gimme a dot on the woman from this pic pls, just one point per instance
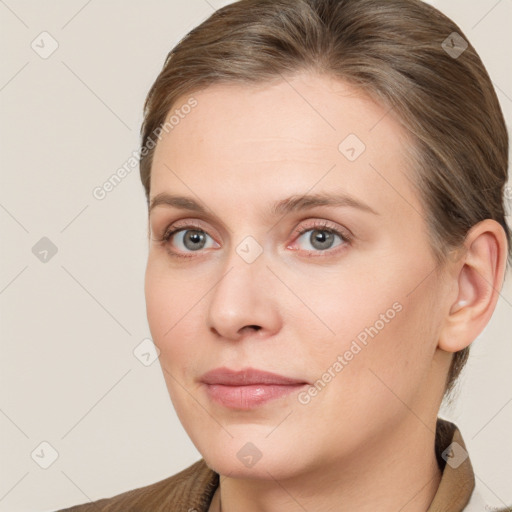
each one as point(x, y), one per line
point(325, 184)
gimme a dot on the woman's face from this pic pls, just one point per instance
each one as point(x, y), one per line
point(351, 306)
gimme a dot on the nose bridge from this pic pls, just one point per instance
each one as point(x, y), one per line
point(242, 295)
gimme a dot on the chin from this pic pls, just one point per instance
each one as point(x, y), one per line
point(242, 458)
point(264, 469)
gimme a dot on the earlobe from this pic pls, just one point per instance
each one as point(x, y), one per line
point(479, 276)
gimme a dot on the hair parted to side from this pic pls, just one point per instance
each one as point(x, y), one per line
point(390, 49)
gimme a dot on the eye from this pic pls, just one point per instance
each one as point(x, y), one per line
point(318, 237)
point(190, 239)
point(186, 239)
point(321, 238)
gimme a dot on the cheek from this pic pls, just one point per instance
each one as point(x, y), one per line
point(374, 331)
point(158, 302)
point(167, 302)
point(168, 323)
point(174, 311)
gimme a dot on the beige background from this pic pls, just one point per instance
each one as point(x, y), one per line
point(69, 326)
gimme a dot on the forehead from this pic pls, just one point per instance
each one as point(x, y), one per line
point(270, 140)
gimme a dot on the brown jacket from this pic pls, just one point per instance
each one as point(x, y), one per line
point(191, 490)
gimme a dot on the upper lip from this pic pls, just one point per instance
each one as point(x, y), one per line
point(246, 377)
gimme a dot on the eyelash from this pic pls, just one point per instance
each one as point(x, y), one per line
point(346, 239)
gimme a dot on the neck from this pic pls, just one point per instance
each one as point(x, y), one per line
point(398, 471)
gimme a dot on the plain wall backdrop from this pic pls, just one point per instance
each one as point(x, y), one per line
point(72, 271)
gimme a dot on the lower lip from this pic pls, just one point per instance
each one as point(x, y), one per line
point(247, 397)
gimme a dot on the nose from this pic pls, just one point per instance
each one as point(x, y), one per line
point(244, 300)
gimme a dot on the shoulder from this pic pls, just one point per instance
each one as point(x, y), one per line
point(188, 490)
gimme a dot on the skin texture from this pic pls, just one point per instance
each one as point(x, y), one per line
point(367, 437)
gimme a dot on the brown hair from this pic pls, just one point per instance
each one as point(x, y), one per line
point(403, 53)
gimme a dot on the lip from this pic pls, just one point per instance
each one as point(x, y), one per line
point(246, 377)
point(247, 388)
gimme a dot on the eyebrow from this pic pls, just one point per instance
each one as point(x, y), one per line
point(291, 204)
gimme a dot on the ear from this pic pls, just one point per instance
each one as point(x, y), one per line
point(478, 277)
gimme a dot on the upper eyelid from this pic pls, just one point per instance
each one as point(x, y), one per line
point(305, 213)
point(184, 224)
point(198, 224)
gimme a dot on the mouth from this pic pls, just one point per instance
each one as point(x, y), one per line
point(248, 388)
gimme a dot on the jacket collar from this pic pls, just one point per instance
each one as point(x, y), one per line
point(458, 479)
point(453, 494)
